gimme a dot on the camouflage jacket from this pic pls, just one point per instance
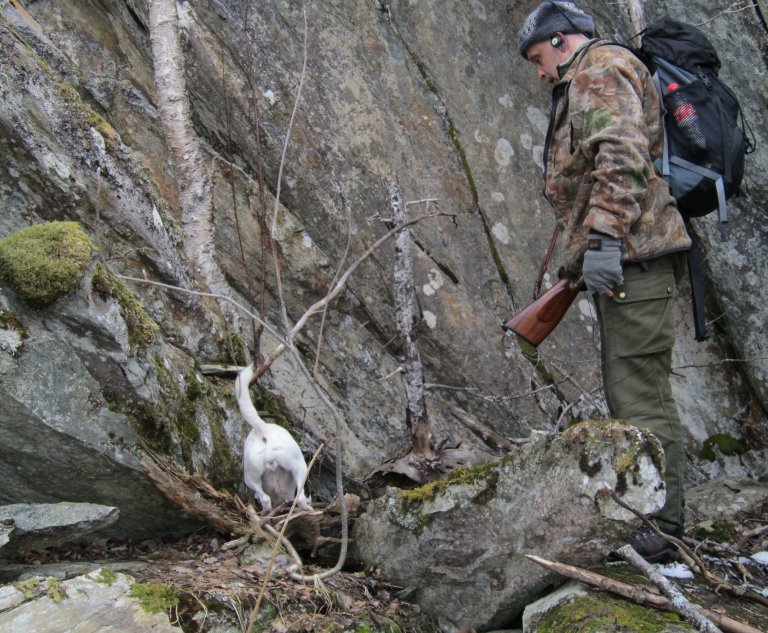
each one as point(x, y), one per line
point(599, 175)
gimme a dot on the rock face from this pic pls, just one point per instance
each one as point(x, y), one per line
point(462, 543)
point(36, 526)
point(433, 94)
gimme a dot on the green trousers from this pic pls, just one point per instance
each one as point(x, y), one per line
point(637, 335)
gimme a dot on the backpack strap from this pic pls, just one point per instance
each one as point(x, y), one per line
point(683, 75)
point(665, 140)
point(696, 276)
point(722, 207)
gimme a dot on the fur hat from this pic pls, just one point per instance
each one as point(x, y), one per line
point(553, 16)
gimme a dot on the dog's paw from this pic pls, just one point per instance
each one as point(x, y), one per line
point(305, 503)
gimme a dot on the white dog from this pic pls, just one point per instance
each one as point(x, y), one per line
point(272, 459)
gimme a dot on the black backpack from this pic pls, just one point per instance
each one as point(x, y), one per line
point(705, 138)
point(705, 135)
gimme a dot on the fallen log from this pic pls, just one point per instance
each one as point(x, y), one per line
point(636, 593)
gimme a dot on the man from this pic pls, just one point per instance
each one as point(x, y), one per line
point(623, 232)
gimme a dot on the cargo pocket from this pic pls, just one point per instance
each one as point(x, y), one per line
point(638, 318)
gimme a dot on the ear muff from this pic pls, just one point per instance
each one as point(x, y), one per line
point(556, 41)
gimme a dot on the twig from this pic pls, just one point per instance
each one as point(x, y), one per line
point(686, 551)
point(489, 436)
point(273, 232)
point(749, 534)
point(335, 277)
point(423, 201)
point(734, 7)
point(720, 362)
point(678, 601)
point(634, 593)
point(339, 482)
point(278, 541)
point(695, 560)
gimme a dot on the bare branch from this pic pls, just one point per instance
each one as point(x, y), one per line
point(278, 541)
point(273, 232)
point(634, 593)
point(734, 7)
point(315, 308)
point(678, 601)
point(334, 292)
point(489, 436)
point(335, 278)
point(695, 561)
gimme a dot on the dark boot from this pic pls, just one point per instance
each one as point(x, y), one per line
point(651, 546)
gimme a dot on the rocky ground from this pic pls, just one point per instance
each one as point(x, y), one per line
point(216, 584)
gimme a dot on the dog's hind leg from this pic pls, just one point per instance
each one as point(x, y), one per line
point(298, 474)
point(254, 483)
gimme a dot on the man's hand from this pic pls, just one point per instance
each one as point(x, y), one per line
point(602, 264)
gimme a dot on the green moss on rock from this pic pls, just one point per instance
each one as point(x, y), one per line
point(142, 329)
point(232, 349)
point(727, 445)
point(600, 612)
point(461, 476)
point(155, 597)
point(718, 531)
point(9, 321)
point(45, 261)
point(178, 411)
point(29, 588)
point(106, 577)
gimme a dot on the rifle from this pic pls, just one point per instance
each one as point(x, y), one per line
point(535, 322)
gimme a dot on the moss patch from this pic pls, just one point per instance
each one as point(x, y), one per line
point(106, 577)
point(601, 612)
point(150, 420)
point(178, 410)
point(9, 321)
point(232, 349)
point(727, 445)
point(46, 261)
point(718, 531)
point(155, 597)
point(467, 476)
point(142, 329)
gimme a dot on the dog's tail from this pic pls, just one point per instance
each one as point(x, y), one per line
point(247, 410)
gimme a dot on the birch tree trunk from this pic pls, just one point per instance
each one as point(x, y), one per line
point(637, 15)
point(188, 158)
point(405, 315)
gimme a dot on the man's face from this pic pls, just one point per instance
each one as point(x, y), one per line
point(547, 58)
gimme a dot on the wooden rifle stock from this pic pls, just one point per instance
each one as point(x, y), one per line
point(535, 322)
